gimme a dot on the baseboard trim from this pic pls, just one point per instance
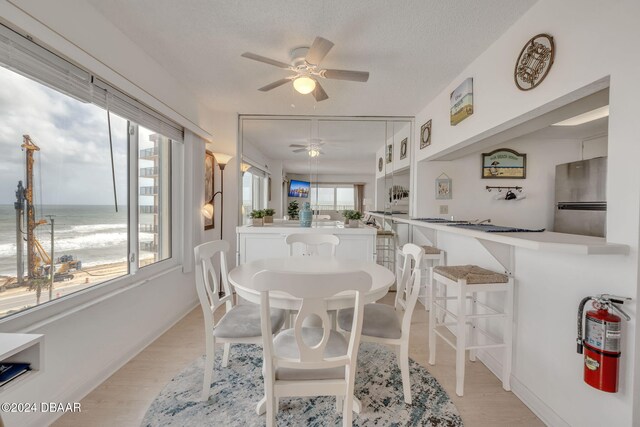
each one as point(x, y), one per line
point(88, 386)
point(530, 399)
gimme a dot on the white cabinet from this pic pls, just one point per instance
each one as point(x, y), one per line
point(269, 242)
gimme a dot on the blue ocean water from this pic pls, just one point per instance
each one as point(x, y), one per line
point(94, 234)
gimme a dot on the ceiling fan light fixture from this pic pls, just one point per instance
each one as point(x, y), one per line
point(314, 152)
point(304, 84)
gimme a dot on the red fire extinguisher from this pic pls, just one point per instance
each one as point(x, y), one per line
point(601, 340)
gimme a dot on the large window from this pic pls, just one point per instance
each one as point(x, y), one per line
point(332, 197)
point(85, 195)
point(253, 192)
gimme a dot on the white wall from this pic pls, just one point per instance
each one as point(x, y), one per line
point(470, 199)
point(547, 369)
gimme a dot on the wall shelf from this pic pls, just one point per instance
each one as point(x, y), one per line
point(22, 348)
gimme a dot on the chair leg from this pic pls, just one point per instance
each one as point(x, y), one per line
point(508, 338)
point(474, 326)
point(461, 339)
point(225, 354)
point(403, 361)
point(432, 319)
point(210, 345)
point(271, 405)
point(339, 403)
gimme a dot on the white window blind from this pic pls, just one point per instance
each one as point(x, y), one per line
point(27, 58)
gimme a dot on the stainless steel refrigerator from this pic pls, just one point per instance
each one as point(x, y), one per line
point(581, 202)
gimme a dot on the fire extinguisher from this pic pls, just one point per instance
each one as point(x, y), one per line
point(601, 340)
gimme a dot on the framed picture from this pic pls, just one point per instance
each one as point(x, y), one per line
point(425, 135)
point(209, 162)
point(443, 188)
point(403, 148)
point(504, 163)
point(389, 153)
point(380, 164)
point(461, 101)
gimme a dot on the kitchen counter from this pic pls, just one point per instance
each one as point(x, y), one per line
point(542, 241)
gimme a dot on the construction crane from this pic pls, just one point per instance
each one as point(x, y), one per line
point(39, 263)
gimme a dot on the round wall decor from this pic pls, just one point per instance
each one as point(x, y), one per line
point(380, 164)
point(534, 62)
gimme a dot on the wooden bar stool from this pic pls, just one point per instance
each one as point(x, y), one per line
point(434, 257)
point(467, 281)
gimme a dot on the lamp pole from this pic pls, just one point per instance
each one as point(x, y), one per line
point(221, 166)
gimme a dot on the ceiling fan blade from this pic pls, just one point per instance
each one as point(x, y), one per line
point(300, 150)
point(266, 60)
point(297, 145)
point(318, 50)
point(319, 94)
point(354, 76)
point(274, 85)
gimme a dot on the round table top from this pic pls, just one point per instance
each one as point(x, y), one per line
point(241, 278)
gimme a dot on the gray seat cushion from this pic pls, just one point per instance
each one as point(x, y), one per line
point(243, 321)
point(284, 345)
point(379, 320)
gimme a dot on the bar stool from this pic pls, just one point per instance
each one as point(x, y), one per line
point(386, 249)
point(432, 255)
point(467, 281)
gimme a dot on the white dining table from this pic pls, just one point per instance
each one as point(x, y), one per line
point(241, 278)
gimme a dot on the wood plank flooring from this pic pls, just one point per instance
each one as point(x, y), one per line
point(123, 399)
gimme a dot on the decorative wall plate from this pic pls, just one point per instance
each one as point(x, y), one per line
point(389, 153)
point(534, 62)
point(425, 135)
point(380, 164)
point(403, 148)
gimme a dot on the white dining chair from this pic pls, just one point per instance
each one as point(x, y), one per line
point(391, 325)
point(311, 242)
point(311, 361)
point(239, 324)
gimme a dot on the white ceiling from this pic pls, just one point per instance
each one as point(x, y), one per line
point(412, 48)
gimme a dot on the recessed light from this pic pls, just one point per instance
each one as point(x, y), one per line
point(589, 116)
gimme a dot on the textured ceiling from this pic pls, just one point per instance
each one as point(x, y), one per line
point(412, 48)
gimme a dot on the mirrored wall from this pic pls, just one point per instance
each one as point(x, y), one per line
point(332, 163)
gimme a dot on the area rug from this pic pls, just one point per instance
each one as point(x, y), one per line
point(237, 389)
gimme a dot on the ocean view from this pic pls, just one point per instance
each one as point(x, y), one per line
point(95, 234)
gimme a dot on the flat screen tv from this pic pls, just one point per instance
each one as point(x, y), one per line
point(299, 188)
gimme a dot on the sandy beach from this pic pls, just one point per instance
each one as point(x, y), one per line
point(88, 276)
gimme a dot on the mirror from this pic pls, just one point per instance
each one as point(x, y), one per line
point(333, 163)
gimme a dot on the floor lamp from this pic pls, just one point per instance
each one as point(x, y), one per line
point(222, 160)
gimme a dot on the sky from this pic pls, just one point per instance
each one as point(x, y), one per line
point(73, 165)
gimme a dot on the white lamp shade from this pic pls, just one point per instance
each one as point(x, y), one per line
point(222, 158)
point(207, 210)
point(304, 85)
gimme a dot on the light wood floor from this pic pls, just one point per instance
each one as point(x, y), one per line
point(123, 399)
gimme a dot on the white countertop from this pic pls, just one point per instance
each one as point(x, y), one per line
point(543, 241)
point(288, 227)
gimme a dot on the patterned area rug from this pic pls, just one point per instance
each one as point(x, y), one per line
point(237, 389)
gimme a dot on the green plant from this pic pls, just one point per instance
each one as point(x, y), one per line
point(357, 215)
point(256, 214)
point(269, 212)
point(293, 209)
point(351, 214)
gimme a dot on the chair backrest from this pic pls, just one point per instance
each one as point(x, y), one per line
point(311, 242)
point(408, 287)
point(313, 289)
point(207, 283)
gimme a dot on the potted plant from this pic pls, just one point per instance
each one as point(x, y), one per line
point(268, 215)
point(293, 209)
point(257, 217)
point(352, 218)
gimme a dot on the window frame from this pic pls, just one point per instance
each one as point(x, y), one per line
point(335, 187)
point(37, 316)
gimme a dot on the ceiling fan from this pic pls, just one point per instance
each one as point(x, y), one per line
point(305, 64)
point(314, 149)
